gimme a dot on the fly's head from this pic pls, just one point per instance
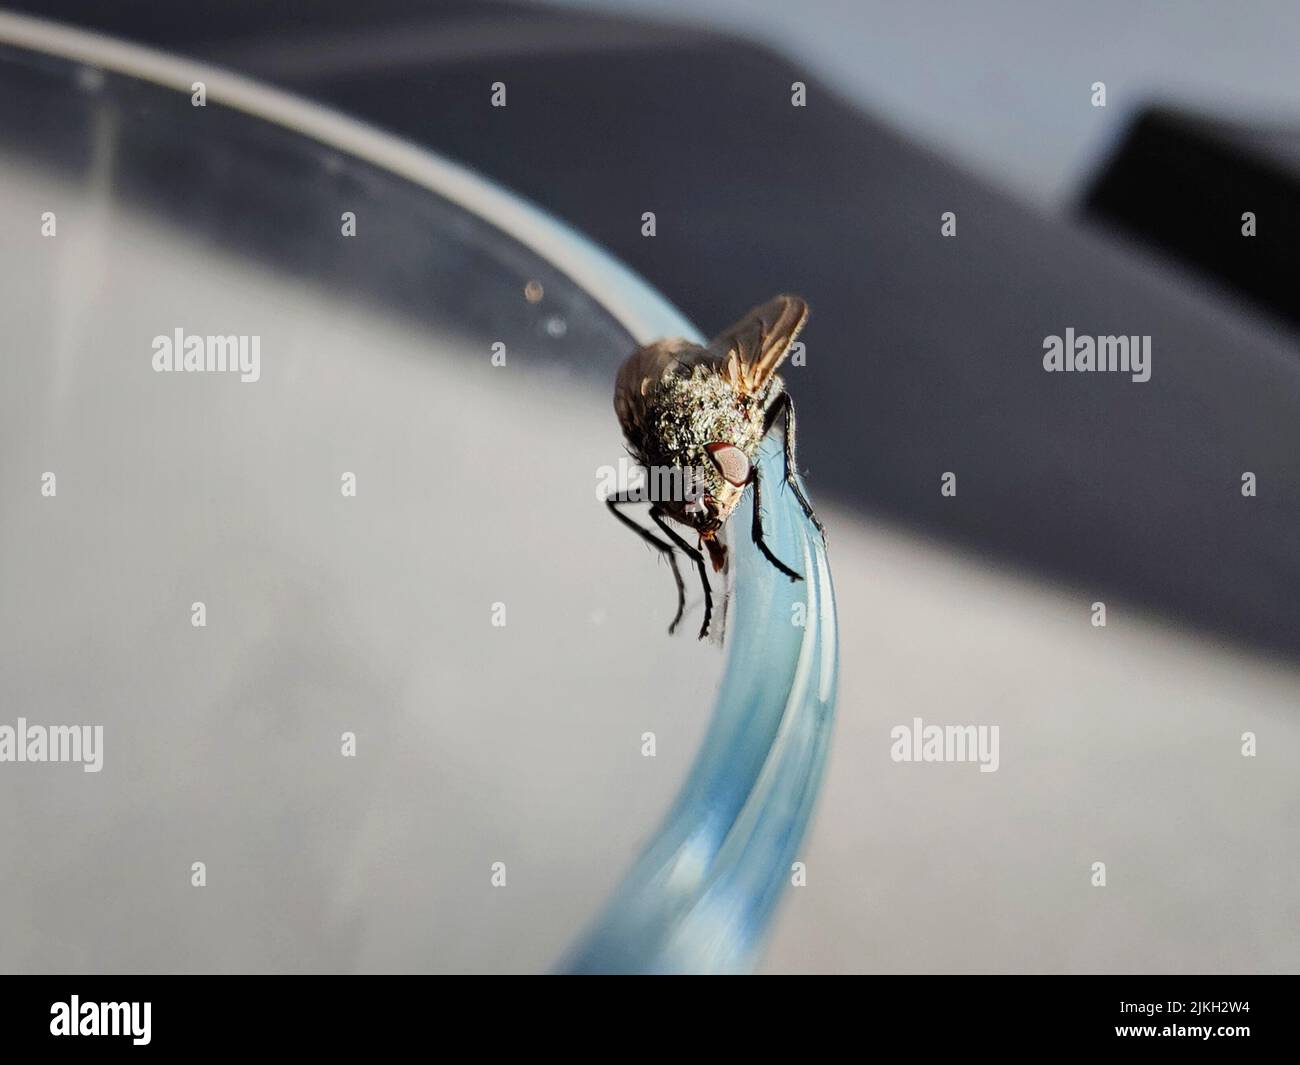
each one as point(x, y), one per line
point(709, 430)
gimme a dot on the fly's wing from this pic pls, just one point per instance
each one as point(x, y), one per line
point(752, 349)
point(637, 377)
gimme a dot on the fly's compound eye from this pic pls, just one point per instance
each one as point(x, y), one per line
point(732, 463)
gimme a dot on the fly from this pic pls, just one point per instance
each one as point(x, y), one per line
point(707, 410)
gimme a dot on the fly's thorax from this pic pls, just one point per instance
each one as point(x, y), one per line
point(690, 411)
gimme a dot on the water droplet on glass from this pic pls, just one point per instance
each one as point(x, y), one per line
point(90, 79)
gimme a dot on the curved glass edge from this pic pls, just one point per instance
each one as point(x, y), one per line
point(629, 298)
point(703, 892)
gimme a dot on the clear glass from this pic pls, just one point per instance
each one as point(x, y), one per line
point(408, 734)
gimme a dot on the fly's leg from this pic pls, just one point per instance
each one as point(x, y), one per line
point(757, 529)
point(614, 502)
point(694, 555)
point(784, 401)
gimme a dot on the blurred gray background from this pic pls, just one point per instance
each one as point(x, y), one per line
point(996, 85)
